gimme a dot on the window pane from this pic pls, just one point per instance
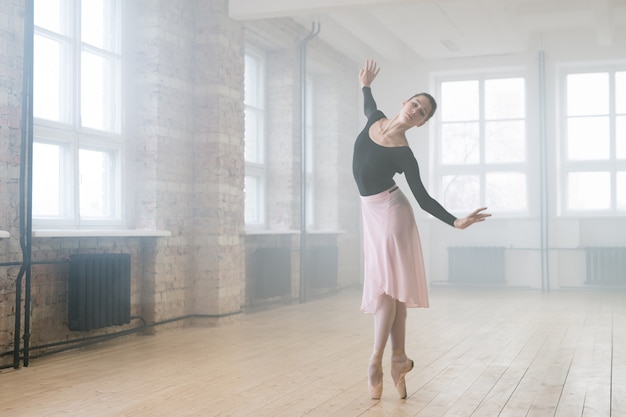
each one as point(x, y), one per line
point(48, 15)
point(459, 101)
point(46, 179)
point(252, 190)
point(252, 81)
point(589, 190)
point(621, 190)
point(620, 136)
point(252, 145)
point(620, 92)
point(97, 184)
point(460, 143)
point(79, 88)
point(587, 94)
point(504, 99)
point(506, 191)
point(505, 142)
point(461, 192)
point(100, 107)
point(92, 22)
point(47, 80)
point(99, 24)
point(588, 138)
point(254, 139)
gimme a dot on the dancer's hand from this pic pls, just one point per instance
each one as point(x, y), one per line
point(368, 73)
point(475, 217)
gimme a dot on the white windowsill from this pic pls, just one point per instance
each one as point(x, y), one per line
point(270, 232)
point(292, 232)
point(101, 233)
point(4, 234)
point(325, 232)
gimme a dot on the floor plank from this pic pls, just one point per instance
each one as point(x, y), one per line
point(477, 353)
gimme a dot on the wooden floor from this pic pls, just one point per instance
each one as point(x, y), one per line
point(477, 353)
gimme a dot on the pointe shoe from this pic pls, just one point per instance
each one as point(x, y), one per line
point(375, 380)
point(399, 369)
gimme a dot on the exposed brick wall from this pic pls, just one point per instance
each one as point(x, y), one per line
point(11, 58)
point(336, 97)
point(49, 284)
point(160, 41)
point(189, 87)
point(334, 168)
point(218, 161)
point(184, 131)
point(338, 119)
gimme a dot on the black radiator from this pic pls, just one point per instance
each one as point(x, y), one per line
point(321, 268)
point(269, 272)
point(606, 265)
point(476, 265)
point(99, 291)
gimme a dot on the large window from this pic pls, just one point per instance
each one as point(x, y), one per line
point(254, 138)
point(480, 145)
point(78, 147)
point(593, 151)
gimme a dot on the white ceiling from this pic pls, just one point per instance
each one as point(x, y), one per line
point(406, 30)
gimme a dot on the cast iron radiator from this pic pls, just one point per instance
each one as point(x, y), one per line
point(269, 272)
point(476, 265)
point(321, 267)
point(606, 266)
point(99, 291)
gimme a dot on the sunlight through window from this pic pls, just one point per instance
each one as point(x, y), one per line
point(77, 107)
point(482, 144)
point(592, 159)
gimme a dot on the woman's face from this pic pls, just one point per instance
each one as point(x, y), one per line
point(415, 111)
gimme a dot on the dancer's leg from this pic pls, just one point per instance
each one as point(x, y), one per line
point(398, 331)
point(400, 364)
point(383, 321)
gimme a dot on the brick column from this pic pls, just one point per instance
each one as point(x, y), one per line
point(159, 53)
point(218, 161)
point(11, 66)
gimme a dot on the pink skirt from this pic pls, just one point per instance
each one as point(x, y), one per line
point(394, 264)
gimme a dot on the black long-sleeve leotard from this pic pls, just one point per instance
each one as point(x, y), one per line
point(374, 165)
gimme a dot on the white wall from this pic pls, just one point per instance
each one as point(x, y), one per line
point(521, 235)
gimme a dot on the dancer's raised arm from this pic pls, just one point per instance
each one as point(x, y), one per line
point(367, 74)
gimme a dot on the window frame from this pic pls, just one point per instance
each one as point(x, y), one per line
point(68, 132)
point(481, 169)
point(610, 165)
point(257, 169)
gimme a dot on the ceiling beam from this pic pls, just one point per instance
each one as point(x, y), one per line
point(603, 22)
point(360, 23)
point(256, 9)
point(341, 39)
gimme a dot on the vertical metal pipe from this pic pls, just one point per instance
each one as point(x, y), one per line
point(303, 157)
point(26, 182)
point(543, 177)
